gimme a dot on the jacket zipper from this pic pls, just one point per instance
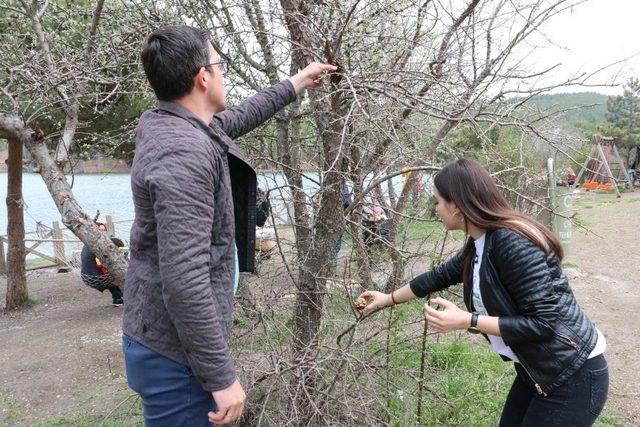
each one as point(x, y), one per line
point(540, 392)
point(535, 384)
point(568, 341)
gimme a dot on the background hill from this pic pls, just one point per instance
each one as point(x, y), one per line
point(586, 109)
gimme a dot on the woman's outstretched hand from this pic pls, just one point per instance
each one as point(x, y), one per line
point(448, 319)
point(375, 301)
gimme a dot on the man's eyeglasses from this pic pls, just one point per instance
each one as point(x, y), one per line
point(224, 65)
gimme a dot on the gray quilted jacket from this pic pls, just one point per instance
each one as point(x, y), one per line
point(194, 196)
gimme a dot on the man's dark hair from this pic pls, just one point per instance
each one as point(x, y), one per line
point(171, 58)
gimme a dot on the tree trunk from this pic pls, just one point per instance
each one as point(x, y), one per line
point(288, 134)
point(17, 293)
point(327, 229)
point(73, 216)
point(328, 223)
point(71, 124)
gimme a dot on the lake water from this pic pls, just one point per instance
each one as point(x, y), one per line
point(111, 194)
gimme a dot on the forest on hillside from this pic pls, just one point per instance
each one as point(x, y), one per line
point(578, 110)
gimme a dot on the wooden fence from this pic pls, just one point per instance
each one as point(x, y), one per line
point(56, 236)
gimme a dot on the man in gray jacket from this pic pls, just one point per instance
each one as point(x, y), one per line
point(194, 229)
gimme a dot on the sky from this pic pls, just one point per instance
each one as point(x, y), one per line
point(593, 35)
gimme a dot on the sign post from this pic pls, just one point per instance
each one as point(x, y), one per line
point(561, 205)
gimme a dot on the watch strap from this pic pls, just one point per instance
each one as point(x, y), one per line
point(474, 319)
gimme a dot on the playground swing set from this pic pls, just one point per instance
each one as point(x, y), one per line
point(604, 168)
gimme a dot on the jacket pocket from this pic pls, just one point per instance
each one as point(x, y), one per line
point(599, 380)
point(567, 336)
point(568, 341)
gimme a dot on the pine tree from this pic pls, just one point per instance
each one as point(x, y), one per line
point(623, 116)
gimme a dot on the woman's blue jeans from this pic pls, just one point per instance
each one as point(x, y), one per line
point(171, 395)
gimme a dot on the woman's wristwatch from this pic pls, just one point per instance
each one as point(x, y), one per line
point(473, 328)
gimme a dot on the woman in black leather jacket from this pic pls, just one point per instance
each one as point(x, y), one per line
point(518, 297)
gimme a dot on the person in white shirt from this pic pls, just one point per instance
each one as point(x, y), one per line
point(518, 297)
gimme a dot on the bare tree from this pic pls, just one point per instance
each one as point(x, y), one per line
point(70, 67)
point(411, 74)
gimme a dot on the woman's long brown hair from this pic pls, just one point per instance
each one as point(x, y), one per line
point(469, 185)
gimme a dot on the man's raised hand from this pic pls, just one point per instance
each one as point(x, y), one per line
point(311, 76)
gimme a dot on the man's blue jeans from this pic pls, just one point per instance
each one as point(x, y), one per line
point(171, 395)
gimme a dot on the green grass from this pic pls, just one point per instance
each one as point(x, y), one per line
point(601, 199)
point(431, 231)
point(9, 410)
point(278, 324)
point(37, 262)
point(467, 382)
point(126, 410)
point(566, 264)
point(420, 229)
point(30, 302)
point(580, 222)
point(609, 419)
point(467, 385)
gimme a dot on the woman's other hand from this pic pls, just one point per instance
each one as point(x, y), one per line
point(448, 319)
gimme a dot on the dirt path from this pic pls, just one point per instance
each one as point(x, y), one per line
point(604, 277)
point(62, 356)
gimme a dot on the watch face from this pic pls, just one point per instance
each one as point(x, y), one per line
point(473, 330)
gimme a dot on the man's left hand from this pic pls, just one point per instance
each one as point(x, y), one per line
point(311, 76)
point(449, 319)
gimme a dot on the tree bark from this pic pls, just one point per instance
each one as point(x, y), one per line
point(73, 216)
point(328, 223)
point(17, 293)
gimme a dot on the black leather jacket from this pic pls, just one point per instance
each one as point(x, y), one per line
point(539, 316)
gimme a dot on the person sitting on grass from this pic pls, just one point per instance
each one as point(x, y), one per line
point(95, 275)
